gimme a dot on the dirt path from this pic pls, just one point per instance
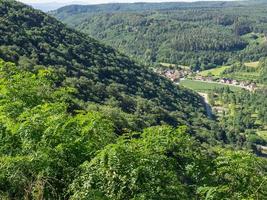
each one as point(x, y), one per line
point(207, 105)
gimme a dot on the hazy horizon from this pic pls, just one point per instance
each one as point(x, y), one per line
point(48, 5)
point(104, 1)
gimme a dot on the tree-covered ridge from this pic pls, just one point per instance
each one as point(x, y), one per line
point(32, 39)
point(200, 37)
point(48, 152)
point(66, 128)
point(140, 6)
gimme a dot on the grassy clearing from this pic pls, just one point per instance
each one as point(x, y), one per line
point(263, 134)
point(252, 64)
point(167, 65)
point(247, 76)
point(204, 86)
point(214, 72)
point(254, 38)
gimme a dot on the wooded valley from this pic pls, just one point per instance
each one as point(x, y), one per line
point(84, 113)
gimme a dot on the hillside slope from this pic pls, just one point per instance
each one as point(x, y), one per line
point(99, 73)
point(129, 7)
point(202, 35)
point(48, 153)
point(61, 100)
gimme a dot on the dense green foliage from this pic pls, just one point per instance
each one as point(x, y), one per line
point(64, 12)
point(165, 163)
point(72, 113)
point(263, 70)
point(49, 153)
point(99, 73)
point(41, 143)
point(245, 112)
point(201, 35)
point(42, 146)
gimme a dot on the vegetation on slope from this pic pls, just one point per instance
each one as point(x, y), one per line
point(165, 163)
point(200, 36)
point(263, 70)
point(32, 39)
point(48, 153)
point(59, 132)
point(242, 112)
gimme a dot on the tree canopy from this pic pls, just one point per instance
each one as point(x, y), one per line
point(201, 35)
point(78, 120)
point(33, 40)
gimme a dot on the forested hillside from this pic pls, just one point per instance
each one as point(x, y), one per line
point(46, 152)
point(80, 121)
point(100, 74)
point(66, 11)
point(142, 6)
point(242, 112)
point(201, 35)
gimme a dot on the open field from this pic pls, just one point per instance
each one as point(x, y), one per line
point(252, 64)
point(201, 86)
point(243, 76)
point(214, 72)
point(167, 65)
point(263, 134)
point(254, 38)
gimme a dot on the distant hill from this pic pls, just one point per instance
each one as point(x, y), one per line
point(67, 12)
point(99, 73)
point(202, 35)
point(122, 7)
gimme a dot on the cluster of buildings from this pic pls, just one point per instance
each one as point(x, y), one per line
point(244, 84)
point(174, 75)
point(229, 81)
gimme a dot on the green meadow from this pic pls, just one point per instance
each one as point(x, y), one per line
point(214, 72)
point(200, 86)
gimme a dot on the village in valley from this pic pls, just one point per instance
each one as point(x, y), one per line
point(175, 75)
point(180, 73)
point(202, 83)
